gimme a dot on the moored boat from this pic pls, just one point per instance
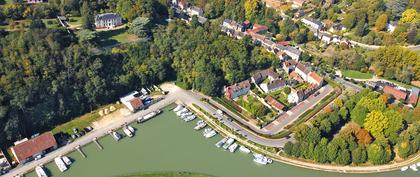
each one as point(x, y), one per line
point(244, 149)
point(40, 171)
point(199, 125)
point(261, 159)
point(148, 116)
point(127, 132)
point(233, 147)
point(132, 130)
point(66, 160)
point(60, 164)
point(228, 143)
point(115, 135)
point(177, 108)
point(220, 143)
point(405, 168)
point(413, 167)
point(190, 118)
point(210, 134)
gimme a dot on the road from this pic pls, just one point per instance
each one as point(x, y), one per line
point(348, 84)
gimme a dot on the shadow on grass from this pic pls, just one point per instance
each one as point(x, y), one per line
point(105, 37)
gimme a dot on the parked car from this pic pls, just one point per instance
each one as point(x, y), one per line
point(75, 130)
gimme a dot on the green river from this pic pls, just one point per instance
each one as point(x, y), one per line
point(167, 143)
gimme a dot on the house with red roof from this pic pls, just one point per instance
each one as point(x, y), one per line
point(132, 101)
point(274, 103)
point(29, 149)
point(414, 96)
point(298, 3)
point(396, 93)
point(314, 78)
point(237, 90)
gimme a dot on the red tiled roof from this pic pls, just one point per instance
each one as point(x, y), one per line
point(274, 103)
point(316, 77)
point(136, 103)
point(413, 99)
point(237, 87)
point(34, 146)
point(398, 94)
point(258, 28)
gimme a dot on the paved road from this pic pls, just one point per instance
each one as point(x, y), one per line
point(349, 85)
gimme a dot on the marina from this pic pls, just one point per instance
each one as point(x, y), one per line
point(157, 137)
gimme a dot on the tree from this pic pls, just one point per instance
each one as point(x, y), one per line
point(395, 125)
point(194, 21)
point(359, 155)
point(251, 8)
point(87, 16)
point(376, 123)
point(404, 149)
point(379, 153)
point(343, 157)
point(288, 148)
point(320, 151)
point(86, 35)
point(360, 29)
point(396, 7)
point(358, 114)
point(409, 16)
point(332, 149)
point(349, 20)
point(381, 22)
point(140, 27)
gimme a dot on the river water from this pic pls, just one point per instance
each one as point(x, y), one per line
point(166, 143)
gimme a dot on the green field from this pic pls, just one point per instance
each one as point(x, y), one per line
point(356, 74)
point(75, 21)
point(113, 37)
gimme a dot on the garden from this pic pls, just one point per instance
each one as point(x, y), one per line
point(256, 109)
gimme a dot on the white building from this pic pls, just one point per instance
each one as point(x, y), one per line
point(107, 20)
point(293, 53)
point(295, 96)
point(132, 101)
point(312, 23)
point(194, 10)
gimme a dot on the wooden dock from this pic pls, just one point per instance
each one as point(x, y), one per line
point(81, 152)
point(97, 143)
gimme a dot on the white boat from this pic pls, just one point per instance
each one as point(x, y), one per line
point(60, 164)
point(404, 168)
point(413, 167)
point(260, 159)
point(190, 118)
point(66, 160)
point(40, 172)
point(220, 143)
point(207, 130)
point(228, 143)
point(184, 110)
point(132, 130)
point(179, 107)
point(149, 116)
point(233, 147)
point(127, 132)
point(210, 134)
point(115, 135)
point(244, 149)
point(418, 164)
point(200, 124)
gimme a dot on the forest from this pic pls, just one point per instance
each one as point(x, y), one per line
point(48, 77)
point(359, 129)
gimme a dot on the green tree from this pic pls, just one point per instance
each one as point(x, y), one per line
point(343, 157)
point(87, 16)
point(349, 20)
point(381, 22)
point(359, 155)
point(379, 153)
point(86, 35)
point(376, 123)
point(140, 27)
point(395, 125)
point(358, 114)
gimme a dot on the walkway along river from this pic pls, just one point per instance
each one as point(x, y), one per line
point(166, 143)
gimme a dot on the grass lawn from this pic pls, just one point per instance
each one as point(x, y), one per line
point(256, 108)
point(51, 23)
point(356, 74)
point(74, 21)
point(166, 174)
point(82, 121)
point(281, 96)
point(112, 37)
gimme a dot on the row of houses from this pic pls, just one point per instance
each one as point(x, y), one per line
point(256, 32)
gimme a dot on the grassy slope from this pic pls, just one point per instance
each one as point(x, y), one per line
point(112, 37)
point(356, 74)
